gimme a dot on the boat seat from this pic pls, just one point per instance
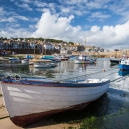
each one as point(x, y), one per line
point(90, 81)
point(94, 80)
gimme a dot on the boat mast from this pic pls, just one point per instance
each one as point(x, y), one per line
point(42, 47)
point(34, 49)
point(85, 47)
point(45, 46)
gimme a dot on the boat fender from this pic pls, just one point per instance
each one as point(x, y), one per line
point(103, 70)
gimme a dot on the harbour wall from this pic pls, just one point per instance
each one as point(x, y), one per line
point(117, 54)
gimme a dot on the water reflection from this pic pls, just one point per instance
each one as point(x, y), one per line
point(44, 72)
point(112, 64)
point(15, 68)
point(123, 73)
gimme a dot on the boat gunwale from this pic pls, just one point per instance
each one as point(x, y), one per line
point(58, 84)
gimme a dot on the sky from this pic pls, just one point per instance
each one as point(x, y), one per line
point(101, 23)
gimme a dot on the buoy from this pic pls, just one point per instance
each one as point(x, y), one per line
point(103, 70)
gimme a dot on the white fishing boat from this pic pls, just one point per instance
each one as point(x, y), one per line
point(85, 59)
point(40, 63)
point(14, 60)
point(82, 59)
point(124, 63)
point(25, 61)
point(29, 100)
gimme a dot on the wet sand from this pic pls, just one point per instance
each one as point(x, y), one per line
point(6, 123)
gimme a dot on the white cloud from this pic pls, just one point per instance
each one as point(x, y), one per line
point(99, 15)
point(95, 28)
point(40, 4)
point(65, 10)
point(71, 2)
point(21, 18)
point(17, 33)
point(10, 19)
point(2, 11)
point(27, 1)
point(53, 26)
point(24, 5)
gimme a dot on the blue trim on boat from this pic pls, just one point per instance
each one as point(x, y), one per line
point(55, 84)
point(124, 66)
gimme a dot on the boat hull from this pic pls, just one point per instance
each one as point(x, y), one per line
point(84, 61)
point(124, 66)
point(115, 61)
point(44, 65)
point(123, 72)
point(28, 103)
point(25, 61)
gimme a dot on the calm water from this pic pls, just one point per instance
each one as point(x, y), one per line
point(111, 111)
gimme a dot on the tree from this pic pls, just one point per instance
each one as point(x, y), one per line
point(71, 43)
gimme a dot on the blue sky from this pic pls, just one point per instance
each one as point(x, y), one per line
point(104, 23)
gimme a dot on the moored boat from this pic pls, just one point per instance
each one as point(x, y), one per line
point(50, 57)
point(115, 60)
point(61, 57)
point(40, 63)
point(82, 59)
point(29, 100)
point(25, 61)
point(118, 60)
point(124, 64)
point(14, 59)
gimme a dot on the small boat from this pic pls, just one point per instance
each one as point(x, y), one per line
point(40, 63)
point(61, 57)
point(51, 57)
point(82, 59)
point(14, 59)
point(124, 64)
point(30, 100)
point(28, 57)
point(25, 61)
point(115, 60)
point(72, 57)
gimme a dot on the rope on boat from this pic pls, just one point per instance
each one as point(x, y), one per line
point(15, 76)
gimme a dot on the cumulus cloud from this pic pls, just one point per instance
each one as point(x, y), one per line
point(110, 36)
point(53, 26)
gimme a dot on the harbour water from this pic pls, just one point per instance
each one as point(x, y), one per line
point(111, 111)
